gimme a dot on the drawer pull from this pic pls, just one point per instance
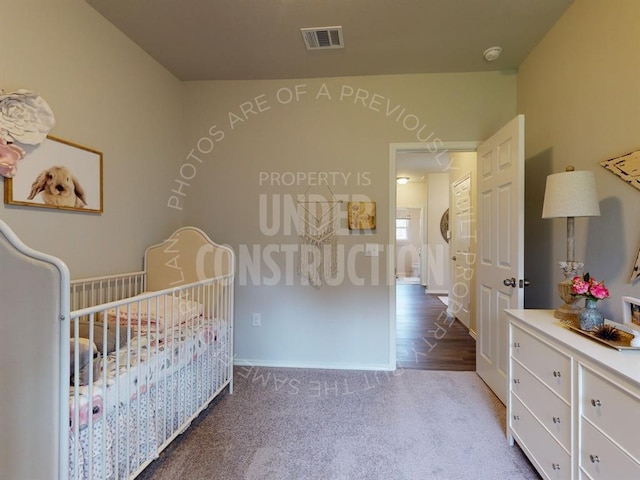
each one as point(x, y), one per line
point(516, 344)
point(556, 419)
point(595, 402)
point(516, 417)
point(557, 374)
point(516, 380)
point(556, 466)
point(594, 458)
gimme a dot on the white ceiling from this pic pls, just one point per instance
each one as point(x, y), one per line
point(417, 165)
point(261, 39)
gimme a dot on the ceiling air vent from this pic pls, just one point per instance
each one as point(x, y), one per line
point(322, 38)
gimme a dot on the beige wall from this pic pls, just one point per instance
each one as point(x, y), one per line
point(342, 125)
point(579, 92)
point(109, 95)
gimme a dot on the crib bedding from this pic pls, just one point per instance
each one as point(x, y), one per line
point(132, 369)
point(140, 409)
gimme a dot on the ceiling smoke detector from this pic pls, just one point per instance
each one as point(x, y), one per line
point(322, 38)
point(492, 53)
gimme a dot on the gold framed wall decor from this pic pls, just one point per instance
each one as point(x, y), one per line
point(361, 215)
point(58, 174)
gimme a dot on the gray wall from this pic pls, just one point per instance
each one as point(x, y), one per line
point(579, 92)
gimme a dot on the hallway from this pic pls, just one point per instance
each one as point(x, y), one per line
point(425, 338)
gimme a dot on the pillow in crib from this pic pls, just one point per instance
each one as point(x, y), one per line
point(114, 342)
point(153, 315)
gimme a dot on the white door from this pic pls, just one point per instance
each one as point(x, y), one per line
point(500, 253)
point(462, 261)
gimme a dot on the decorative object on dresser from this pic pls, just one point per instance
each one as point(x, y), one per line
point(631, 318)
point(573, 406)
point(631, 311)
point(568, 195)
point(592, 290)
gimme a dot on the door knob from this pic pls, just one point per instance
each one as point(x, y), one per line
point(453, 258)
point(509, 282)
point(524, 283)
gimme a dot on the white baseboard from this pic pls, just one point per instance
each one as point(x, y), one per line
point(437, 292)
point(252, 362)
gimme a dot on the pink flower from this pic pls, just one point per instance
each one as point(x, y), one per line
point(580, 287)
point(9, 156)
point(598, 290)
point(589, 288)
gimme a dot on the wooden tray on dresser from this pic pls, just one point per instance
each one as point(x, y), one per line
point(623, 344)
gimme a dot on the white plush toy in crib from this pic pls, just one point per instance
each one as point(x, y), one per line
point(87, 352)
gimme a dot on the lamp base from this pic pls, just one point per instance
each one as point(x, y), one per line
point(568, 313)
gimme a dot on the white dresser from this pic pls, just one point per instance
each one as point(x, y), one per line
point(573, 403)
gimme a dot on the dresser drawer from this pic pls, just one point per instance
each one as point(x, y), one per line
point(553, 412)
point(547, 363)
point(601, 459)
point(545, 452)
point(613, 410)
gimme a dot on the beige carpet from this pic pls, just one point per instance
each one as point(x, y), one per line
point(294, 424)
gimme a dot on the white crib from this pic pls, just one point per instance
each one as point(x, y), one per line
point(100, 375)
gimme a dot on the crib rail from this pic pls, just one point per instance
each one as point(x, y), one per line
point(144, 365)
point(109, 288)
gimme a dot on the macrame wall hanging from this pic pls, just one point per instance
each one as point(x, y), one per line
point(318, 240)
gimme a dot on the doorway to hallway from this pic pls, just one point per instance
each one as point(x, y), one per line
point(426, 338)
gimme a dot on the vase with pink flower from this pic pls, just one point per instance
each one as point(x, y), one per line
point(592, 290)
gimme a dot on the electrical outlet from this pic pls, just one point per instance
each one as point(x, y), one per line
point(256, 320)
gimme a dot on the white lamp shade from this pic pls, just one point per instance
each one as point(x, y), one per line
point(571, 194)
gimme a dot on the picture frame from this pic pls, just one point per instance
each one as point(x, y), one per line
point(631, 311)
point(361, 215)
point(58, 174)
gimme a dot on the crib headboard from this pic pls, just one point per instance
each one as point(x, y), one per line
point(34, 305)
point(187, 256)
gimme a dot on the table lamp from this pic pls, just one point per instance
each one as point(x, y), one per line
point(568, 195)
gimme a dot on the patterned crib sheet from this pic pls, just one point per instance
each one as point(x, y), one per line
point(132, 370)
point(122, 440)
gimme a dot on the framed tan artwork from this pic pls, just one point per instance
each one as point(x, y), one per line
point(58, 174)
point(361, 215)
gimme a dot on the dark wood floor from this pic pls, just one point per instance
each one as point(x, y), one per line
point(426, 338)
